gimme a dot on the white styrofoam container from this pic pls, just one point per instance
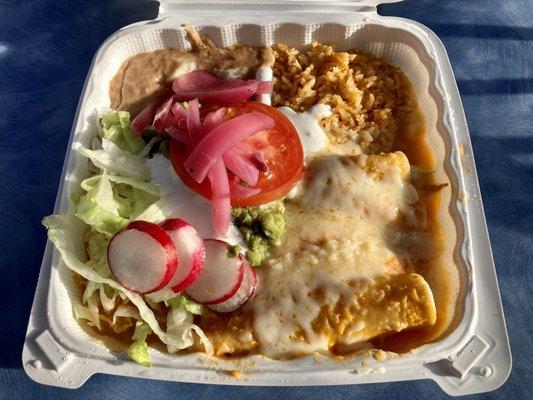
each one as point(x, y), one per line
point(475, 357)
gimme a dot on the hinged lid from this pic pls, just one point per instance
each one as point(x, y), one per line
point(269, 6)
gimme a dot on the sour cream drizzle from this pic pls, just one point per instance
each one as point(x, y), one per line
point(314, 139)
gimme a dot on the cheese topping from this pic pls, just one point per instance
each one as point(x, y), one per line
point(339, 238)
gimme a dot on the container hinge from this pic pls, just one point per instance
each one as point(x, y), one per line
point(56, 354)
point(275, 7)
point(468, 356)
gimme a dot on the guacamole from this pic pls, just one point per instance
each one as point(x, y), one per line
point(261, 227)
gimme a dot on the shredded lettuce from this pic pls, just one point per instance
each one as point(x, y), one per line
point(99, 209)
point(171, 299)
point(107, 299)
point(138, 350)
point(160, 296)
point(148, 148)
point(147, 187)
point(107, 206)
point(116, 127)
point(130, 315)
point(88, 313)
point(97, 247)
point(140, 201)
point(158, 211)
point(96, 292)
point(115, 161)
point(88, 292)
point(97, 251)
point(179, 322)
point(125, 310)
point(185, 304)
point(124, 198)
point(94, 309)
point(142, 331)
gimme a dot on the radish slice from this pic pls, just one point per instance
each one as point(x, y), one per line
point(221, 276)
point(246, 290)
point(142, 257)
point(241, 167)
point(223, 138)
point(220, 197)
point(210, 89)
point(191, 251)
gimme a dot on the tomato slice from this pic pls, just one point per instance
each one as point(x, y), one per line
point(280, 148)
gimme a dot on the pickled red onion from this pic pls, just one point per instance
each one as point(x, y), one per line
point(193, 122)
point(242, 167)
point(146, 116)
point(237, 189)
point(223, 138)
point(177, 134)
point(210, 89)
point(220, 197)
point(264, 87)
point(213, 119)
point(236, 163)
point(259, 162)
point(178, 110)
point(161, 118)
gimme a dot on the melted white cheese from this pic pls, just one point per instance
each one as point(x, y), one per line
point(337, 239)
point(341, 184)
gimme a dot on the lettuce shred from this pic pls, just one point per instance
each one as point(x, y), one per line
point(138, 350)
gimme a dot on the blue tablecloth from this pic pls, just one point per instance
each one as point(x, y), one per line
point(46, 47)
